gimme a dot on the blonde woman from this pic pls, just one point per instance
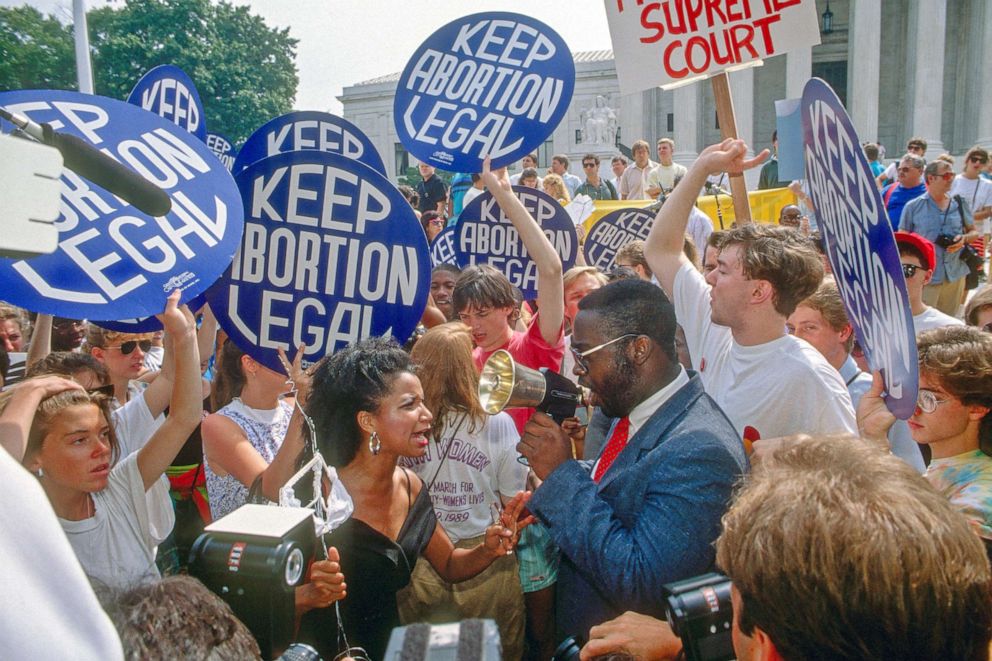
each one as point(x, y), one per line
point(554, 186)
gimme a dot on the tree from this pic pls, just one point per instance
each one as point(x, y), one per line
point(37, 51)
point(244, 71)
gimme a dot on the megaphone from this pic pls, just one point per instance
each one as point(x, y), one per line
point(505, 383)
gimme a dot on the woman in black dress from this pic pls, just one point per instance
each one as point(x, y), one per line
point(368, 410)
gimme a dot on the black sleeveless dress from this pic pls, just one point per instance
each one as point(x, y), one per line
point(375, 568)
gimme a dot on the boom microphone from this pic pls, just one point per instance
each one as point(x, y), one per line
point(89, 162)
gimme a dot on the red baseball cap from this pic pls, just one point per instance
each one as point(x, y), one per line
point(924, 246)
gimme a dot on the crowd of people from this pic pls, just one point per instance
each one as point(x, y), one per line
point(728, 420)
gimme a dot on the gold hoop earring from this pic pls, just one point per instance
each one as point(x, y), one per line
point(375, 445)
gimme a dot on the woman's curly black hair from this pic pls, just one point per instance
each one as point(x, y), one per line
point(351, 380)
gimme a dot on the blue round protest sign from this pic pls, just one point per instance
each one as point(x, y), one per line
point(443, 247)
point(168, 92)
point(112, 260)
point(309, 129)
point(859, 241)
point(332, 253)
point(612, 232)
point(223, 149)
point(484, 235)
point(492, 84)
point(146, 324)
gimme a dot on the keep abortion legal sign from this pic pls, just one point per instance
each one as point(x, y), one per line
point(114, 261)
point(168, 92)
point(494, 84)
point(485, 235)
point(309, 129)
point(668, 41)
point(612, 232)
point(860, 244)
point(223, 149)
point(332, 253)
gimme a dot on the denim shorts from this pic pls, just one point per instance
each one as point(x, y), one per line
point(539, 558)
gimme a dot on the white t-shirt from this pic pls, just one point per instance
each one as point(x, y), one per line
point(664, 176)
point(134, 425)
point(478, 465)
point(153, 358)
point(471, 194)
point(977, 193)
point(48, 610)
point(933, 318)
point(700, 227)
point(115, 546)
point(778, 388)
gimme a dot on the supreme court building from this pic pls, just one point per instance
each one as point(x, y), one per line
point(902, 67)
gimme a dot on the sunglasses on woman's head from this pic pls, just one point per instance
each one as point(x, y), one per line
point(128, 347)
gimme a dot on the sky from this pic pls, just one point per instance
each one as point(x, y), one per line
point(343, 42)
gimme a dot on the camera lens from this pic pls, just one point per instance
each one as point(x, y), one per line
point(294, 567)
point(568, 650)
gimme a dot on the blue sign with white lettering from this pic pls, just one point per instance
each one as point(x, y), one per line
point(859, 241)
point(309, 129)
point(492, 84)
point(612, 232)
point(146, 324)
point(223, 149)
point(484, 235)
point(443, 247)
point(113, 260)
point(168, 92)
point(332, 253)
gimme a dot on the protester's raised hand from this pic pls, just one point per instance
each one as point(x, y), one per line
point(176, 319)
point(640, 636)
point(729, 156)
point(495, 180)
point(874, 417)
point(299, 376)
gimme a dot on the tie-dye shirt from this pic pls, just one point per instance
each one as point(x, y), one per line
point(966, 480)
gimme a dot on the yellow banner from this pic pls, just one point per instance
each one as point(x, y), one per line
point(765, 205)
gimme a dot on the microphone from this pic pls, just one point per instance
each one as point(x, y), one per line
point(89, 162)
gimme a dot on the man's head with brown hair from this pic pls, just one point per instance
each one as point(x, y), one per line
point(484, 300)
point(640, 151)
point(631, 255)
point(838, 550)
point(916, 145)
point(822, 321)
point(779, 256)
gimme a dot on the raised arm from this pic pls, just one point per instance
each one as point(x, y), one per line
point(550, 291)
point(663, 248)
point(22, 404)
point(41, 339)
point(186, 403)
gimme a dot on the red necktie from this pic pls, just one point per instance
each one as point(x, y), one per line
point(614, 446)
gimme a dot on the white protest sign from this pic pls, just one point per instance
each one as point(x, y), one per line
point(668, 41)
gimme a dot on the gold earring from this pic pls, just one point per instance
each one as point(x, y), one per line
point(375, 445)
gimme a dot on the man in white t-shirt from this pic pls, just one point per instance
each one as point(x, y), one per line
point(976, 191)
point(663, 178)
point(918, 259)
point(769, 383)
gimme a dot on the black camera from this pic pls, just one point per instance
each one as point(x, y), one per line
point(699, 611)
point(570, 648)
point(946, 240)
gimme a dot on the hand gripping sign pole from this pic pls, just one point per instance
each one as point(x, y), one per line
point(728, 129)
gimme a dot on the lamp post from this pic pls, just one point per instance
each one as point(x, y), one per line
point(828, 20)
point(84, 72)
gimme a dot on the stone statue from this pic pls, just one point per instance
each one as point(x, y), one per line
point(600, 123)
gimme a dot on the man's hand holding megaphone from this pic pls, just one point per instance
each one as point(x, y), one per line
point(545, 444)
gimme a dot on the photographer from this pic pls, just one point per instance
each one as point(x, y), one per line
point(830, 578)
point(947, 222)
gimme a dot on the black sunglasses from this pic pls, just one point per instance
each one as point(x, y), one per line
point(909, 270)
point(128, 347)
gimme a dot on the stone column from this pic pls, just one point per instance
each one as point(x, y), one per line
point(863, 56)
point(927, 26)
point(798, 69)
point(742, 92)
point(686, 110)
point(983, 92)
